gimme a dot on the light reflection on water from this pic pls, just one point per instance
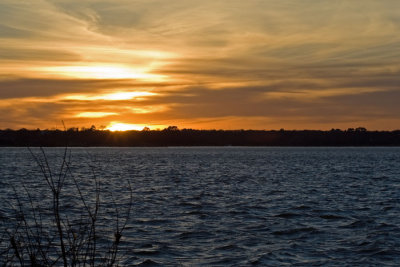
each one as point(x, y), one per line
point(239, 206)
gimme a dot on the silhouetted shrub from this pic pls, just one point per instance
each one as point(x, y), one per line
point(67, 226)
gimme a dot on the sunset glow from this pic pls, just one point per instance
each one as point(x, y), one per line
point(109, 96)
point(118, 126)
point(94, 114)
point(103, 72)
point(200, 64)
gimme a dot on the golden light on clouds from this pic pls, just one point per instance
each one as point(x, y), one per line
point(108, 96)
point(103, 72)
point(200, 64)
point(150, 109)
point(126, 95)
point(94, 114)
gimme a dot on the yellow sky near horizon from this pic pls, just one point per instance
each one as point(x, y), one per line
point(253, 64)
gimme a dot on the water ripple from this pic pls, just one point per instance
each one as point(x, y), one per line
point(238, 206)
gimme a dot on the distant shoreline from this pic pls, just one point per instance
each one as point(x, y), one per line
point(189, 137)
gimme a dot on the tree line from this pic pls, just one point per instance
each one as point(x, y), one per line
point(172, 136)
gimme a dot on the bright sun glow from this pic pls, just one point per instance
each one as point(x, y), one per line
point(94, 114)
point(110, 96)
point(126, 95)
point(118, 126)
point(104, 72)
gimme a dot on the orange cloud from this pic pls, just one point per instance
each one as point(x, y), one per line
point(257, 64)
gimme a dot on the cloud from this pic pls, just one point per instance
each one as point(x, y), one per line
point(237, 64)
point(28, 87)
point(12, 32)
point(37, 55)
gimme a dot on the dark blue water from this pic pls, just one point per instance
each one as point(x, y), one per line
point(241, 206)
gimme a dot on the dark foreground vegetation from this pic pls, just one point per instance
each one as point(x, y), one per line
point(172, 136)
point(71, 222)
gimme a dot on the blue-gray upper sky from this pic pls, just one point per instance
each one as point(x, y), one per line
point(260, 64)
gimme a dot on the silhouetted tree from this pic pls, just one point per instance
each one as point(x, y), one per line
point(172, 128)
point(172, 136)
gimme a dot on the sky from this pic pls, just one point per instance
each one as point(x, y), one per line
point(202, 64)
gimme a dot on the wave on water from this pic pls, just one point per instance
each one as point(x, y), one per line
point(242, 206)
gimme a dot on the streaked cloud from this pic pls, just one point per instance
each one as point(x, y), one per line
point(107, 96)
point(203, 64)
point(94, 114)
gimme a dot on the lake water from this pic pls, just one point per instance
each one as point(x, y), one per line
point(237, 206)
